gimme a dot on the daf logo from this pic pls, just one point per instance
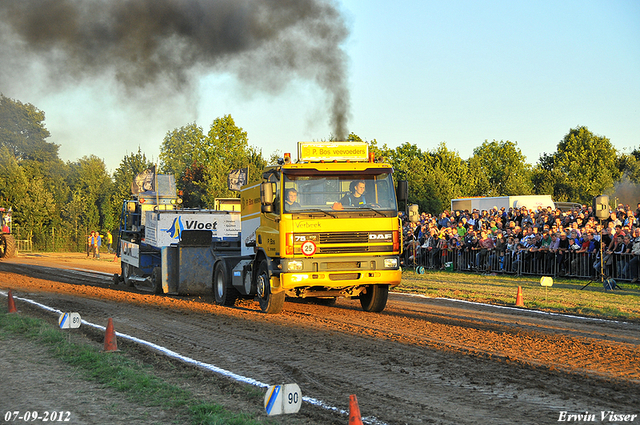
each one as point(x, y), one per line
point(379, 236)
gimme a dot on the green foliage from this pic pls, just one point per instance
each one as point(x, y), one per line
point(89, 178)
point(181, 148)
point(124, 374)
point(23, 132)
point(273, 158)
point(566, 296)
point(33, 205)
point(450, 175)
point(499, 169)
point(13, 180)
point(31, 174)
point(203, 162)
point(584, 166)
point(191, 183)
point(130, 166)
point(434, 177)
point(46, 194)
point(37, 208)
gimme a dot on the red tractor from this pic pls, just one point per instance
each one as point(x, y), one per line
point(7, 242)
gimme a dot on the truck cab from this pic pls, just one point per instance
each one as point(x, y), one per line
point(324, 227)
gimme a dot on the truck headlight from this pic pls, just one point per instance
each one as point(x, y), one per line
point(390, 263)
point(293, 266)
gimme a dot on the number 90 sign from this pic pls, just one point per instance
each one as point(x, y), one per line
point(282, 399)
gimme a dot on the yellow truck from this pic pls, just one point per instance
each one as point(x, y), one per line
point(323, 227)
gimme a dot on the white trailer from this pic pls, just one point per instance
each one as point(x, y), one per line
point(531, 202)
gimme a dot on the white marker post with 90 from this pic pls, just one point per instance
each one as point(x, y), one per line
point(281, 399)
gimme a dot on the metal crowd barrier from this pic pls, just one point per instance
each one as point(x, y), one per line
point(24, 245)
point(582, 265)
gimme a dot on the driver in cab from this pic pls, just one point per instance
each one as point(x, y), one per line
point(291, 200)
point(356, 196)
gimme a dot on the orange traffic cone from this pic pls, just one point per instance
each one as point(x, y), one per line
point(110, 343)
point(12, 303)
point(519, 300)
point(354, 411)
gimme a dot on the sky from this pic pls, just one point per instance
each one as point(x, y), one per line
point(420, 72)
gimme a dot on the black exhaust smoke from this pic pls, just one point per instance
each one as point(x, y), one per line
point(162, 44)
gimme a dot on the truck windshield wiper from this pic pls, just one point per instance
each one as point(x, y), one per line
point(370, 209)
point(314, 210)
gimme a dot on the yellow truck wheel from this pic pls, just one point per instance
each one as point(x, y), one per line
point(270, 303)
point(374, 299)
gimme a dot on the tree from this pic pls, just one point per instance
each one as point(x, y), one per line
point(181, 148)
point(13, 181)
point(130, 166)
point(584, 166)
point(73, 212)
point(90, 180)
point(33, 205)
point(226, 149)
point(422, 185)
point(500, 169)
point(629, 165)
point(37, 209)
point(23, 132)
point(191, 182)
point(202, 163)
point(450, 174)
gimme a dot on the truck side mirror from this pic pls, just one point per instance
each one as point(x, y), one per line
point(266, 197)
point(403, 190)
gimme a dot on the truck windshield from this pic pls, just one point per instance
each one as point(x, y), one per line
point(338, 192)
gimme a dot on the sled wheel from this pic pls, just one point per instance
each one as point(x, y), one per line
point(156, 280)
point(225, 294)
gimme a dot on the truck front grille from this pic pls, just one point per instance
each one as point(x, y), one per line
point(354, 249)
point(345, 242)
point(344, 276)
point(344, 237)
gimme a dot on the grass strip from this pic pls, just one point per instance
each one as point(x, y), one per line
point(565, 296)
point(117, 371)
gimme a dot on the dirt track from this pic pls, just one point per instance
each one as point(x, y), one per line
point(420, 361)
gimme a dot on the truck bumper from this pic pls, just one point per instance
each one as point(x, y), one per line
point(340, 279)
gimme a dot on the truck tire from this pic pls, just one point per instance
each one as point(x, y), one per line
point(224, 293)
point(7, 246)
point(270, 303)
point(156, 280)
point(127, 271)
point(375, 299)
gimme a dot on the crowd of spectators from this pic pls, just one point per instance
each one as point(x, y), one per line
point(541, 240)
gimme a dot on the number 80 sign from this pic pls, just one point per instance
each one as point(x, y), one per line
point(69, 321)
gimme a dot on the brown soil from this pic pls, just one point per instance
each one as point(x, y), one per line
point(420, 361)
